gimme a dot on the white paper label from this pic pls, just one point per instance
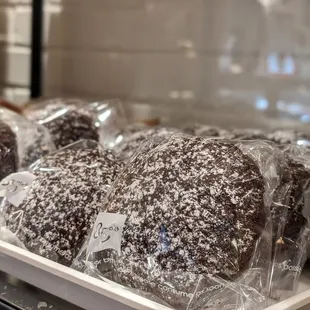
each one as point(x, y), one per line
point(15, 187)
point(107, 232)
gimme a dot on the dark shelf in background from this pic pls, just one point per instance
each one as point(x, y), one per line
point(36, 48)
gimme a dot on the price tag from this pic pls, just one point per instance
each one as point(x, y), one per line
point(15, 187)
point(107, 232)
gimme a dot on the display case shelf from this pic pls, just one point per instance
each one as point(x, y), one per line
point(67, 284)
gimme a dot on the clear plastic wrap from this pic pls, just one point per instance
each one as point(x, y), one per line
point(33, 140)
point(201, 130)
point(284, 137)
point(8, 150)
point(70, 120)
point(293, 237)
point(290, 206)
point(188, 222)
point(278, 136)
point(51, 207)
point(111, 117)
point(134, 137)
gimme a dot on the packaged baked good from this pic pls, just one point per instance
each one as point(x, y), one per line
point(33, 140)
point(247, 134)
point(278, 136)
point(289, 209)
point(201, 130)
point(293, 238)
point(284, 136)
point(56, 202)
point(188, 221)
point(8, 150)
point(134, 138)
point(70, 120)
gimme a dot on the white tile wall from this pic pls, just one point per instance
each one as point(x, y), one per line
point(128, 48)
point(164, 50)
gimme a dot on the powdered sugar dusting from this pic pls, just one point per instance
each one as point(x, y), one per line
point(184, 212)
point(66, 123)
point(8, 151)
point(64, 200)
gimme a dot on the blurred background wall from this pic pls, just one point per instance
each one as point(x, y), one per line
point(252, 55)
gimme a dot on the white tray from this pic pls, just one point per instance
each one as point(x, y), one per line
point(302, 297)
point(92, 294)
point(67, 284)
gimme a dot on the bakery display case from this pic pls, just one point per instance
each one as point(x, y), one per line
point(163, 203)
